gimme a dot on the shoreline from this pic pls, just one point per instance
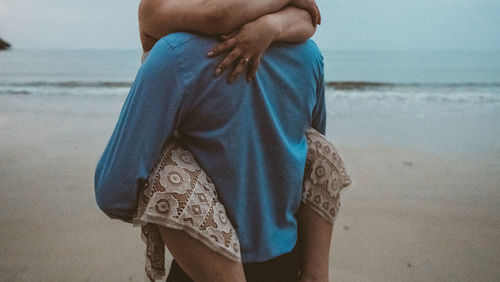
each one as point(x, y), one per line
point(411, 214)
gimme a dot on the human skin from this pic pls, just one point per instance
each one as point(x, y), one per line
point(158, 18)
point(198, 261)
point(315, 234)
point(254, 33)
point(291, 25)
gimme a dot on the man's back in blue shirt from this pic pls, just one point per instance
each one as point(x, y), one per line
point(249, 138)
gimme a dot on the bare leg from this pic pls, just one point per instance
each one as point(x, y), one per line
point(315, 235)
point(198, 261)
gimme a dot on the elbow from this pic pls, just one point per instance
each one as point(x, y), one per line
point(150, 17)
point(145, 16)
point(307, 32)
point(109, 203)
point(311, 30)
point(100, 188)
point(103, 188)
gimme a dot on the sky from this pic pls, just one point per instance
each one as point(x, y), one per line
point(347, 24)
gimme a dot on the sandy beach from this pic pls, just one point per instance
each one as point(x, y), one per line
point(412, 215)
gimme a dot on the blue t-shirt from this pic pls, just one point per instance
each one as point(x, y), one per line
point(248, 137)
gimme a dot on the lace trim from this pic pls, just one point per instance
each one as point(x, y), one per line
point(178, 194)
point(324, 176)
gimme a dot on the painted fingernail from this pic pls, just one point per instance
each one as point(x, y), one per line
point(217, 72)
point(210, 54)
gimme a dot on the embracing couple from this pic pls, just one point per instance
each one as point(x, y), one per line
point(218, 153)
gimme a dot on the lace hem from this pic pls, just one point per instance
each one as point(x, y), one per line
point(324, 176)
point(179, 195)
point(193, 232)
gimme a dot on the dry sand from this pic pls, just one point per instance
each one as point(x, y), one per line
point(411, 216)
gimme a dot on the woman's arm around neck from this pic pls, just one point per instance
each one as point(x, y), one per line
point(158, 18)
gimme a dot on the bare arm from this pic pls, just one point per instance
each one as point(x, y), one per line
point(291, 25)
point(158, 18)
point(315, 235)
point(294, 25)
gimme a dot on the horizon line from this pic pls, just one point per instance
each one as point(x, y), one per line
point(322, 49)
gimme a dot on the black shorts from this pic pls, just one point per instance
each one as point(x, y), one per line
point(284, 268)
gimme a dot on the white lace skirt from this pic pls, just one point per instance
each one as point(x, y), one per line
point(179, 194)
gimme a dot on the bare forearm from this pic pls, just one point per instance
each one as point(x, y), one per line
point(240, 12)
point(158, 18)
point(315, 235)
point(294, 25)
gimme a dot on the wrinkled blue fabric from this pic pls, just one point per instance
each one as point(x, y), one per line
point(249, 137)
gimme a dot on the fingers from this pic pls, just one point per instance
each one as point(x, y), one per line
point(228, 60)
point(316, 16)
point(239, 69)
point(313, 10)
point(252, 68)
point(224, 46)
point(319, 13)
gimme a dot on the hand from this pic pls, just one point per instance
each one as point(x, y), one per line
point(247, 46)
point(311, 7)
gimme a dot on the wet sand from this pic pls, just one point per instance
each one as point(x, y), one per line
point(411, 215)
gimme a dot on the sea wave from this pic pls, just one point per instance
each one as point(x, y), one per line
point(66, 88)
point(69, 84)
point(339, 85)
point(467, 92)
point(367, 85)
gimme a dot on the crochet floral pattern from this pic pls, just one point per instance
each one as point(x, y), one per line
point(324, 176)
point(179, 194)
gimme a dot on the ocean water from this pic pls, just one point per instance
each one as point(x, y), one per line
point(446, 102)
point(447, 76)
